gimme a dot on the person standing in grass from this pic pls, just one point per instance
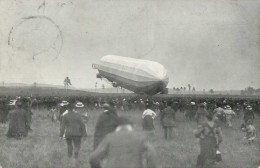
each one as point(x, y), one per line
point(230, 114)
point(79, 108)
point(167, 120)
point(26, 103)
point(74, 128)
point(250, 131)
point(219, 114)
point(106, 123)
point(201, 114)
point(3, 110)
point(148, 117)
point(191, 111)
point(63, 109)
point(210, 136)
point(18, 122)
point(124, 148)
point(249, 114)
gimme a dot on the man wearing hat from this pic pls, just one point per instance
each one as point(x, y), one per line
point(249, 114)
point(74, 128)
point(124, 148)
point(18, 122)
point(161, 107)
point(63, 108)
point(106, 123)
point(219, 114)
point(79, 108)
point(191, 111)
point(229, 113)
point(167, 120)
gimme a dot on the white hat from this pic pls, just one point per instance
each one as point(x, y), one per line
point(79, 104)
point(106, 106)
point(12, 102)
point(249, 108)
point(228, 107)
point(64, 103)
point(192, 103)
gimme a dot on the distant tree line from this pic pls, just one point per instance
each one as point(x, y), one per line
point(250, 91)
point(183, 88)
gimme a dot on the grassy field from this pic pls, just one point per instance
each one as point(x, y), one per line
point(42, 148)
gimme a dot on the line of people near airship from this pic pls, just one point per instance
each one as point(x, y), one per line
point(138, 102)
point(191, 111)
point(73, 119)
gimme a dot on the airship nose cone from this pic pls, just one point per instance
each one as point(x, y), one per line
point(158, 71)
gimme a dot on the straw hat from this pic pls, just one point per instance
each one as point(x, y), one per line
point(193, 103)
point(228, 107)
point(79, 104)
point(106, 106)
point(64, 103)
point(249, 108)
point(12, 102)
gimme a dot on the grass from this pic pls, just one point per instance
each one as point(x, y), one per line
point(42, 148)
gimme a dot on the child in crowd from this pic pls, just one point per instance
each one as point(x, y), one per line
point(250, 132)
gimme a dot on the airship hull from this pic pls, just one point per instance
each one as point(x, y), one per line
point(139, 76)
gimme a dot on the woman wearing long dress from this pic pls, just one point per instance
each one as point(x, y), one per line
point(210, 136)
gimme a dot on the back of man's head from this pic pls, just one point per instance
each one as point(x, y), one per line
point(70, 107)
point(18, 104)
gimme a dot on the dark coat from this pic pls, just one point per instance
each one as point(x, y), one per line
point(191, 112)
point(28, 112)
point(249, 115)
point(106, 123)
point(124, 149)
point(148, 123)
point(201, 116)
point(3, 110)
point(210, 138)
point(73, 125)
point(18, 123)
point(62, 110)
point(167, 117)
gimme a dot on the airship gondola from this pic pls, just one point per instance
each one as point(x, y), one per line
point(137, 75)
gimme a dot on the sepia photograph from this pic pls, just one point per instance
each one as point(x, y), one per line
point(129, 83)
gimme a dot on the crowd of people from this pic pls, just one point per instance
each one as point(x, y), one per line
point(116, 140)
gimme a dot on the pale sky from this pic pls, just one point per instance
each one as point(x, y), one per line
point(205, 43)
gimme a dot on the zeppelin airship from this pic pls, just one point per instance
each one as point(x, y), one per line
point(137, 75)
